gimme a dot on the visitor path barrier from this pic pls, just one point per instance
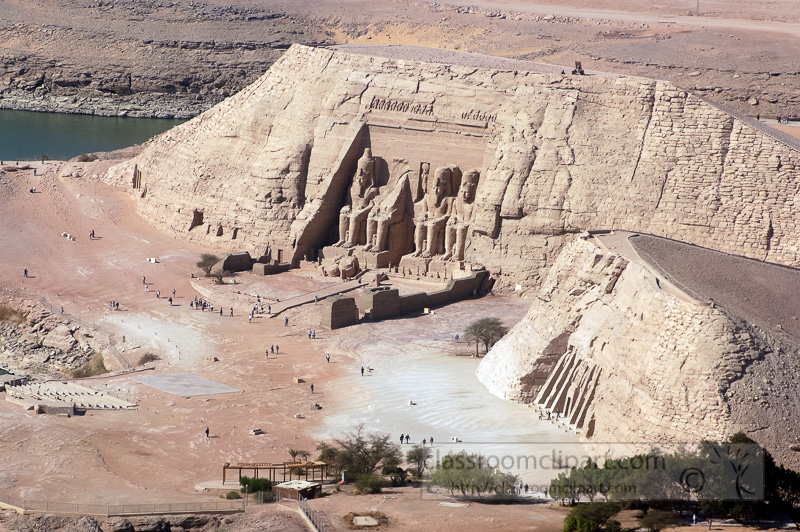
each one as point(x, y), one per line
point(25, 506)
point(317, 520)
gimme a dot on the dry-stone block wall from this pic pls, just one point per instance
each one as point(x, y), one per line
point(269, 168)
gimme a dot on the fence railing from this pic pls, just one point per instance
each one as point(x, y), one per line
point(119, 510)
point(319, 519)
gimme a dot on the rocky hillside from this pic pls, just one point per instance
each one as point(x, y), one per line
point(624, 356)
point(36, 342)
point(268, 170)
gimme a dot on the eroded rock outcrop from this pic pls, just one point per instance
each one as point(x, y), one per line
point(268, 170)
point(622, 357)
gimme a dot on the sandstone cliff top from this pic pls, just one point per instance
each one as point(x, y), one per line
point(452, 57)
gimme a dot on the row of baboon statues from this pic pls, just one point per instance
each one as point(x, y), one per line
point(441, 217)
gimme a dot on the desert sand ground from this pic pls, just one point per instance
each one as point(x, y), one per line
point(159, 452)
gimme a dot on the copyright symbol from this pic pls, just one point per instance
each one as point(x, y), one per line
point(692, 480)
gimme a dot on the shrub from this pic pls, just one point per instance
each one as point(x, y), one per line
point(591, 517)
point(369, 483)
point(95, 366)
point(253, 485)
point(656, 520)
point(233, 495)
point(86, 158)
point(148, 357)
point(264, 497)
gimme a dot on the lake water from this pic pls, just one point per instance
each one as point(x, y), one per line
point(26, 135)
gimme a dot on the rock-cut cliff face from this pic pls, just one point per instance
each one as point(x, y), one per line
point(270, 169)
point(621, 358)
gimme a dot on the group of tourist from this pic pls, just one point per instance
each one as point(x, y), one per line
point(407, 439)
point(548, 415)
point(204, 304)
point(274, 349)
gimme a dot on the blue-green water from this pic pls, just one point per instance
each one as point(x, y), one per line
point(25, 135)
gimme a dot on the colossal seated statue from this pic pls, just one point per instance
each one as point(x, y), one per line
point(460, 217)
point(390, 212)
point(360, 200)
point(433, 212)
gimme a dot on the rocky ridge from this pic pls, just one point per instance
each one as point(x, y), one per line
point(46, 345)
point(624, 357)
point(266, 170)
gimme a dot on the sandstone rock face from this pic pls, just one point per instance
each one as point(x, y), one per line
point(45, 345)
point(269, 169)
point(619, 357)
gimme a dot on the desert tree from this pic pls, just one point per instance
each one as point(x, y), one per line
point(361, 453)
point(486, 331)
point(207, 262)
point(418, 458)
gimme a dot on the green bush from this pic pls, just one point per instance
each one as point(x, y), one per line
point(656, 520)
point(369, 483)
point(85, 158)
point(95, 366)
point(264, 497)
point(253, 485)
point(148, 357)
point(233, 495)
point(590, 517)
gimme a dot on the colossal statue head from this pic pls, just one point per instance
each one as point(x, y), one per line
point(469, 184)
point(440, 185)
point(365, 174)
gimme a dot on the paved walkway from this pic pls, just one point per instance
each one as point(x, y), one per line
point(321, 294)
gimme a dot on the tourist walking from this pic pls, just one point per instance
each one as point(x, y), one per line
point(362, 371)
point(143, 279)
point(312, 388)
point(231, 312)
point(314, 334)
point(277, 349)
point(158, 294)
point(272, 349)
point(207, 431)
point(401, 439)
point(25, 273)
point(286, 321)
point(328, 358)
point(170, 302)
point(407, 438)
point(431, 441)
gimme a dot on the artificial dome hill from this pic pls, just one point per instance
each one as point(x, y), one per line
point(268, 169)
point(438, 168)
